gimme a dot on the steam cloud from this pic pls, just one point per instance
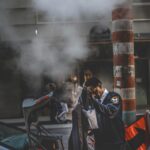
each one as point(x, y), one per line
point(76, 8)
point(52, 58)
point(56, 48)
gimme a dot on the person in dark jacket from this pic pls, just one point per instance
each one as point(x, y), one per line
point(108, 105)
point(58, 108)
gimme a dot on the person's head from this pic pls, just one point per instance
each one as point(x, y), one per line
point(94, 86)
point(88, 75)
point(51, 87)
point(74, 78)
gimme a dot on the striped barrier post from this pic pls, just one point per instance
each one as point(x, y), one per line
point(123, 59)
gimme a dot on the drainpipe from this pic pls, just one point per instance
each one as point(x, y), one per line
point(123, 59)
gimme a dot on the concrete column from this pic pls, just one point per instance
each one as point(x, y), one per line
point(123, 59)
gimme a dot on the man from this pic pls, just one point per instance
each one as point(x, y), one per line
point(79, 135)
point(108, 105)
point(58, 108)
point(87, 75)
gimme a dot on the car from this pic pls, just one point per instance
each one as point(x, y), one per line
point(12, 138)
point(34, 136)
point(15, 138)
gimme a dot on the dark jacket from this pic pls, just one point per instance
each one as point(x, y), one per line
point(76, 139)
point(110, 134)
point(111, 127)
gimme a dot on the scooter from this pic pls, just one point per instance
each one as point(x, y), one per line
point(39, 137)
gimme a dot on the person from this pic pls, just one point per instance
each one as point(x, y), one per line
point(58, 108)
point(88, 74)
point(77, 139)
point(108, 105)
point(75, 90)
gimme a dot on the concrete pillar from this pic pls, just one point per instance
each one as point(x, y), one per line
point(123, 59)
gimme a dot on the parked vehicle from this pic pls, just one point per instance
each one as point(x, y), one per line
point(12, 138)
point(35, 132)
point(35, 136)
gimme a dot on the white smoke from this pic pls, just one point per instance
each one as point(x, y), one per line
point(56, 49)
point(75, 8)
point(53, 58)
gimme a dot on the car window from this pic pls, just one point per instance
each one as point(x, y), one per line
point(4, 146)
point(12, 136)
point(7, 131)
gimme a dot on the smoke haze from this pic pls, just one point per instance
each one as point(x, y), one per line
point(54, 50)
point(75, 8)
point(53, 57)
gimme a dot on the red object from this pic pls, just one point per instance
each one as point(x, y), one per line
point(41, 99)
point(136, 134)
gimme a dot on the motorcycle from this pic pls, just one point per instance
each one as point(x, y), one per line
point(39, 137)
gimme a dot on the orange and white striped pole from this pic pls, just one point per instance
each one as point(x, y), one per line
point(123, 59)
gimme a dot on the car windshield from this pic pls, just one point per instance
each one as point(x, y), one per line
point(8, 131)
point(12, 136)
